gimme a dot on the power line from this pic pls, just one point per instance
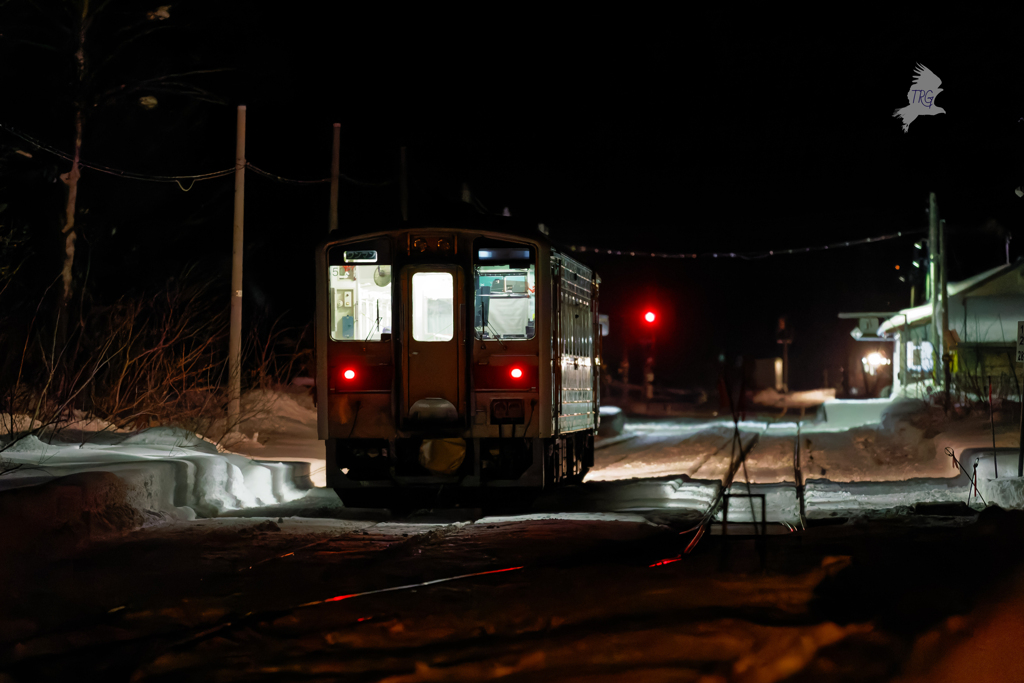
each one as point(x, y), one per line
point(37, 144)
point(290, 181)
point(749, 255)
point(108, 169)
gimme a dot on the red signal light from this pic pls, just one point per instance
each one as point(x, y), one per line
point(649, 316)
point(349, 374)
point(516, 373)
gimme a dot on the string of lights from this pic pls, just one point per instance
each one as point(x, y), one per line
point(749, 255)
point(37, 144)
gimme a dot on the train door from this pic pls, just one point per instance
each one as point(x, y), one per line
point(435, 343)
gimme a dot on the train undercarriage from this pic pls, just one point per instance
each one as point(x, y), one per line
point(494, 473)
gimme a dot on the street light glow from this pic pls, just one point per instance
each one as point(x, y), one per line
point(649, 316)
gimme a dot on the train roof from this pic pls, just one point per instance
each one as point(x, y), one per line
point(468, 221)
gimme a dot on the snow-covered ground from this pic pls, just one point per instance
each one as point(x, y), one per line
point(866, 455)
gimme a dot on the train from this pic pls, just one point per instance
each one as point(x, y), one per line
point(457, 364)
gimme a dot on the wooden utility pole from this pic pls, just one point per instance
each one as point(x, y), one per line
point(332, 222)
point(784, 337)
point(904, 331)
point(944, 303)
point(933, 277)
point(235, 336)
point(403, 187)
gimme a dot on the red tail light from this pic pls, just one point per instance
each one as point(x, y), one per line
point(510, 377)
point(354, 375)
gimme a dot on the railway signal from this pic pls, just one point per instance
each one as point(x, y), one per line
point(649, 317)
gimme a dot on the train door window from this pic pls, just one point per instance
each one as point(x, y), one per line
point(360, 298)
point(433, 307)
point(504, 281)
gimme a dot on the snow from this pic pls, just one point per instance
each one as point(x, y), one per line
point(923, 313)
point(879, 455)
point(1006, 490)
point(180, 473)
point(843, 414)
point(612, 421)
point(872, 455)
point(282, 429)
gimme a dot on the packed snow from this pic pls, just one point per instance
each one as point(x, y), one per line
point(855, 456)
point(180, 473)
point(865, 455)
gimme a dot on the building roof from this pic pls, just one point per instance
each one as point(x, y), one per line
point(922, 315)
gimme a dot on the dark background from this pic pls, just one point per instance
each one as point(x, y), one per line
point(727, 131)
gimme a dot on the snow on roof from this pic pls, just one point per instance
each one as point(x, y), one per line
point(923, 313)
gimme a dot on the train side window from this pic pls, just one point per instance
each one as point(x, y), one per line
point(433, 307)
point(505, 292)
point(360, 302)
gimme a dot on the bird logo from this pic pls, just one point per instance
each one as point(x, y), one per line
point(921, 96)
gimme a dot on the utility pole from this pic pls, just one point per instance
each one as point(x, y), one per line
point(332, 221)
point(933, 277)
point(945, 309)
point(403, 187)
point(784, 337)
point(235, 335)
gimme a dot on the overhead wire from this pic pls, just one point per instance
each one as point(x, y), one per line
point(102, 168)
point(749, 255)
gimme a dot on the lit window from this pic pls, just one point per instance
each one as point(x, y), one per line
point(506, 290)
point(433, 307)
point(360, 300)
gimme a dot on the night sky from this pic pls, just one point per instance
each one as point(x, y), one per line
point(723, 131)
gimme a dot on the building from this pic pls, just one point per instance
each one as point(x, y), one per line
point(983, 312)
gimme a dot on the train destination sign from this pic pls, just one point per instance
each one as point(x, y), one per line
point(365, 256)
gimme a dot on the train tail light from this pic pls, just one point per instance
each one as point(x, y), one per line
point(519, 377)
point(354, 374)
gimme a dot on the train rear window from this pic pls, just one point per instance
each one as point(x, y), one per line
point(504, 282)
point(360, 301)
point(433, 307)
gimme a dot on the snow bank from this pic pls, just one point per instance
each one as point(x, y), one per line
point(848, 413)
point(613, 421)
point(283, 429)
point(1006, 490)
point(171, 471)
point(824, 498)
